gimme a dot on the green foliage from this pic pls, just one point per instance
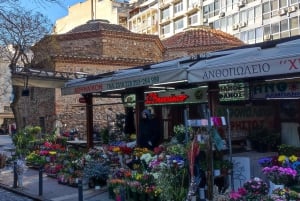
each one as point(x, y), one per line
point(179, 131)
point(22, 140)
point(174, 183)
point(105, 135)
point(264, 136)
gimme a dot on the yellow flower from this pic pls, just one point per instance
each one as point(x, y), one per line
point(52, 152)
point(281, 158)
point(116, 149)
point(293, 158)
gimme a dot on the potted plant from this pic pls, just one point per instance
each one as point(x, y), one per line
point(97, 173)
point(263, 139)
point(217, 167)
point(226, 167)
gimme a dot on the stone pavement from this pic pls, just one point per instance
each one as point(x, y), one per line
point(51, 190)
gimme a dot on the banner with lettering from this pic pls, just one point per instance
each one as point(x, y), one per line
point(276, 90)
point(194, 95)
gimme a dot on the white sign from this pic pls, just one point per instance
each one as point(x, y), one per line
point(245, 70)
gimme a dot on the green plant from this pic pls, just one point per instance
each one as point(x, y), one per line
point(173, 182)
point(286, 150)
point(105, 135)
point(217, 164)
point(264, 136)
point(226, 164)
point(22, 140)
point(180, 132)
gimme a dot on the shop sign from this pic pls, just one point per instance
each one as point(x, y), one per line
point(88, 88)
point(268, 67)
point(82, 100)
point(195, 95)
point(282, 89)
point(233, 92)
point(130, 83)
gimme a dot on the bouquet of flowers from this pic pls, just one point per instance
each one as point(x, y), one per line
point(256, 186)
point(280, 175)
point(253, 189)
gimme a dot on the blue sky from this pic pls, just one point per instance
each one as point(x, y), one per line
point(51, 10)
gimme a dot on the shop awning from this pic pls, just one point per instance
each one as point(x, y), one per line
point(160, 73)
point(283, 59)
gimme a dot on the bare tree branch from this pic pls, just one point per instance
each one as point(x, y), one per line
point(20, 30)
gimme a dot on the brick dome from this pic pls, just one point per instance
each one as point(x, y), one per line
point(200, 36)
point(98, 25)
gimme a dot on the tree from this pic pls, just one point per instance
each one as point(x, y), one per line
point(19, 31)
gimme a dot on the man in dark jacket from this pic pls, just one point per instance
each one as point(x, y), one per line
point(149, 131)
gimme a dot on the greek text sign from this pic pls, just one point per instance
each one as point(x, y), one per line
point(245, 70)
point(233, 91)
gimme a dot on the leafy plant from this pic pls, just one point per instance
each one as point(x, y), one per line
point(173, 182)
point(22, 140)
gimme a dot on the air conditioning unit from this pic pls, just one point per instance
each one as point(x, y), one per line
point(222, 14)
point(292, 9)
point(235, 26)
point(268, 37)
point(243, 24)
point(205, 20)
point(282, 12)
point(241, 4)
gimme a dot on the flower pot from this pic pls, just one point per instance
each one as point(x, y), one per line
point(217, 172)
point(275, 186)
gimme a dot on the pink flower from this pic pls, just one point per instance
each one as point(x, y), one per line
point(235, 195)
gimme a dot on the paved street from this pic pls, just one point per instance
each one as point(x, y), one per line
point(51, 189)
point(6, 195)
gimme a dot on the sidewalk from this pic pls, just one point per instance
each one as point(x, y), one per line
point(52, 191)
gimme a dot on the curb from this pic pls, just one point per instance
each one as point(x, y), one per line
point(23, 193)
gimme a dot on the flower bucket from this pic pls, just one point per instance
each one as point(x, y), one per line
point(217, 172)
point(275, 186)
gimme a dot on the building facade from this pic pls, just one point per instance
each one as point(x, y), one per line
point(115, 12)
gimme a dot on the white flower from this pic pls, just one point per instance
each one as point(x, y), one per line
point(146, 157)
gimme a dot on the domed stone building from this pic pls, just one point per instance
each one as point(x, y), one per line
point(197, 40)
point(96, 48)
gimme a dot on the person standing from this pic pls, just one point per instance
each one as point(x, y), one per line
point(149, 131)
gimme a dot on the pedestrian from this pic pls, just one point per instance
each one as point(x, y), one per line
point(149, 131)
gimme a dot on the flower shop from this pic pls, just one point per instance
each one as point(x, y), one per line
point(261, 118)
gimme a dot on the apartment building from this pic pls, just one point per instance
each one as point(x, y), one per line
point(249, 20)
point(115, 11)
